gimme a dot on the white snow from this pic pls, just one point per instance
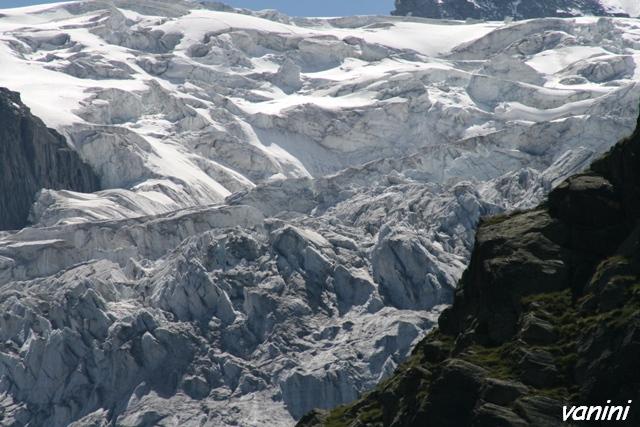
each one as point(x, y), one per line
point(355, 138)
point(631, 7)
point(430, 39)
point(555, 60)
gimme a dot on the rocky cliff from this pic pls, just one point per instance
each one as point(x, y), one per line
point(500, 9)
point(33, 157)
point(288, 202)
point(547, 314)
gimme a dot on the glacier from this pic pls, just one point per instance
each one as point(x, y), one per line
point(286, 204)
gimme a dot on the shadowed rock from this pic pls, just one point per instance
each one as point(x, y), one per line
point(501, 9)
point(33, 157)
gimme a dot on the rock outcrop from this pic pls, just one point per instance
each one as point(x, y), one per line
point(547, 314)
point(33, 157)
point(500, 9)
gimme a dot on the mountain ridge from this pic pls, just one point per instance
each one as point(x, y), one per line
point(497, 10)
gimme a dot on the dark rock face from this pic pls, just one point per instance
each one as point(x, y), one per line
point(547, 314)
point(499, 9)
point(33, 157)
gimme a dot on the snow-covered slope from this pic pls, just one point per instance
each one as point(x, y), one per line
point(630, 7)
point(287, 203)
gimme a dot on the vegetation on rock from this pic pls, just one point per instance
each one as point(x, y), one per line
point(547, 314)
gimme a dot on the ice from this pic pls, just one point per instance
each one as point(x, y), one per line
point(287, 204)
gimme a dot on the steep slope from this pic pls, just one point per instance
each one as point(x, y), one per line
point(288, 204)
point(500, 9)
point(547, 314)
point(33, 157)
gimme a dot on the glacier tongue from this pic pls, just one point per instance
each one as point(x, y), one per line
point(288, 203)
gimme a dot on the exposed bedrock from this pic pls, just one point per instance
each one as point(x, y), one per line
point(500, 9)
point(33, 157)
